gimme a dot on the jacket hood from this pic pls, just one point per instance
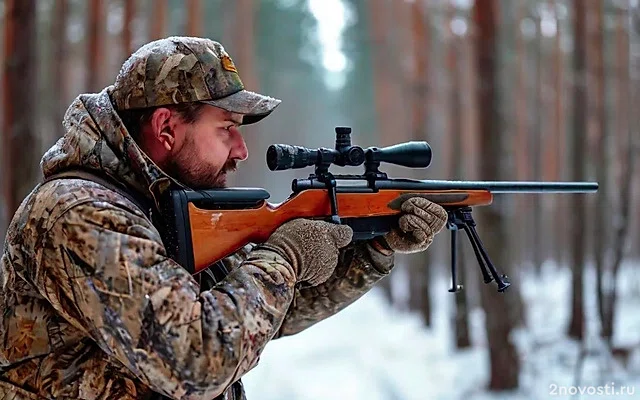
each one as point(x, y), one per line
point(96, 140)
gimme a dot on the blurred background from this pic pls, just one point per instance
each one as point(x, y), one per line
point(501, 89)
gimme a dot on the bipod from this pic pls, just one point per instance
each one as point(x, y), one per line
point(461, 218)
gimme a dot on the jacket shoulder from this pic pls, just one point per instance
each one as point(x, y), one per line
point(50, 200)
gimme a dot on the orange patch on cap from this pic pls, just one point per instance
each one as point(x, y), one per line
point(228, 65)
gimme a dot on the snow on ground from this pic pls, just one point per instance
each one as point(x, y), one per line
point(371, 351)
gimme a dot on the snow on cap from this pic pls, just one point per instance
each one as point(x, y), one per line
point(181, 69)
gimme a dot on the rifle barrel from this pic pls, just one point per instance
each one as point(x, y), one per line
point(495, 187)
point(503, 186)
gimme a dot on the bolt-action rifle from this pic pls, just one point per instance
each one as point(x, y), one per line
point(209, 225)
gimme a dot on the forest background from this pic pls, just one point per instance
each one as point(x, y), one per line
point(501, 89)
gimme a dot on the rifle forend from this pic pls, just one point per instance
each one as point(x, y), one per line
point(209, 225)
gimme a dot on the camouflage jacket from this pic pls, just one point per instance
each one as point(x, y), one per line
point(93, 308)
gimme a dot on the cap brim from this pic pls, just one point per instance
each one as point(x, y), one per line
point(253, 106)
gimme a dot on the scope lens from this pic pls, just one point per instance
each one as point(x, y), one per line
point(272, 157)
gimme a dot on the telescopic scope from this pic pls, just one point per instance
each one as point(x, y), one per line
point(410, 154)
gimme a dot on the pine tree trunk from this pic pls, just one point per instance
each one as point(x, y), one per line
point(627, 155)
point(158, 17)
point(577, 224)
point(602, 210)
point(383, 86)
point(20, 141)
point(419, 264)
point(244, 42)
point(498, 307)
point(634, 117)
point(457, 167)
point(96, 49)
point(537, 137)
point(194, 18)
point(59, 59)
point(559, 242)
point(522, 156)
point(127, 40)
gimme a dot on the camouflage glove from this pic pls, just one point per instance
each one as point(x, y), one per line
point(312, 247)
point(420, 222)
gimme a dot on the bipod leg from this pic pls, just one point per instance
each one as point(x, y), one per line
point(462, 218)
point(453, 227)
point(502, 281)
point(476, 250)
point(455, 222)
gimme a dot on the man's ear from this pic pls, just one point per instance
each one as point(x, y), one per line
point(162, 128)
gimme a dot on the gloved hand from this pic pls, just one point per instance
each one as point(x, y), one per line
point(311, 246)
point(417, 226)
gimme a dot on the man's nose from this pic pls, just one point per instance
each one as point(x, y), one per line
point(239, 148)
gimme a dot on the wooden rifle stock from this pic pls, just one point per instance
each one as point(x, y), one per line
point(217, 233)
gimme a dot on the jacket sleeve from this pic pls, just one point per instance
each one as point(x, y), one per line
point(360, 267)
point(105, 269)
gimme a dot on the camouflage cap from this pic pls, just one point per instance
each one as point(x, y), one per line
point(182, 69)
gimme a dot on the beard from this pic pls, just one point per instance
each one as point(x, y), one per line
point(198, 175)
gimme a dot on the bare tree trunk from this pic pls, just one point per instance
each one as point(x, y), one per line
point(634, 98)
point(598, 102)
point(240, 36)
point(470, 83)
point(127, 41)
point(20, 141)
point(419, 265)
point(194, 19)
point(559, 134)
point(382, 81)
point(548, 138)
point(244, 36)
point(470, 117)
point(521, 152)
point(420, 71)
point(536, 138)
point(578, 202)
point(461, 310)
point(96, 48)
point(505, 365)
point(158, 19)
point(58, 60)
point(627, 156)
point(419, 287)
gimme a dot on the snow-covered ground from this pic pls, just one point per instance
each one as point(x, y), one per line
point(371, 351)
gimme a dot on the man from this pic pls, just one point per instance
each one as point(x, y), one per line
point(92, 306)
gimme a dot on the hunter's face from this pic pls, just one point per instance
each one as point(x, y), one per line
point(201, 153)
